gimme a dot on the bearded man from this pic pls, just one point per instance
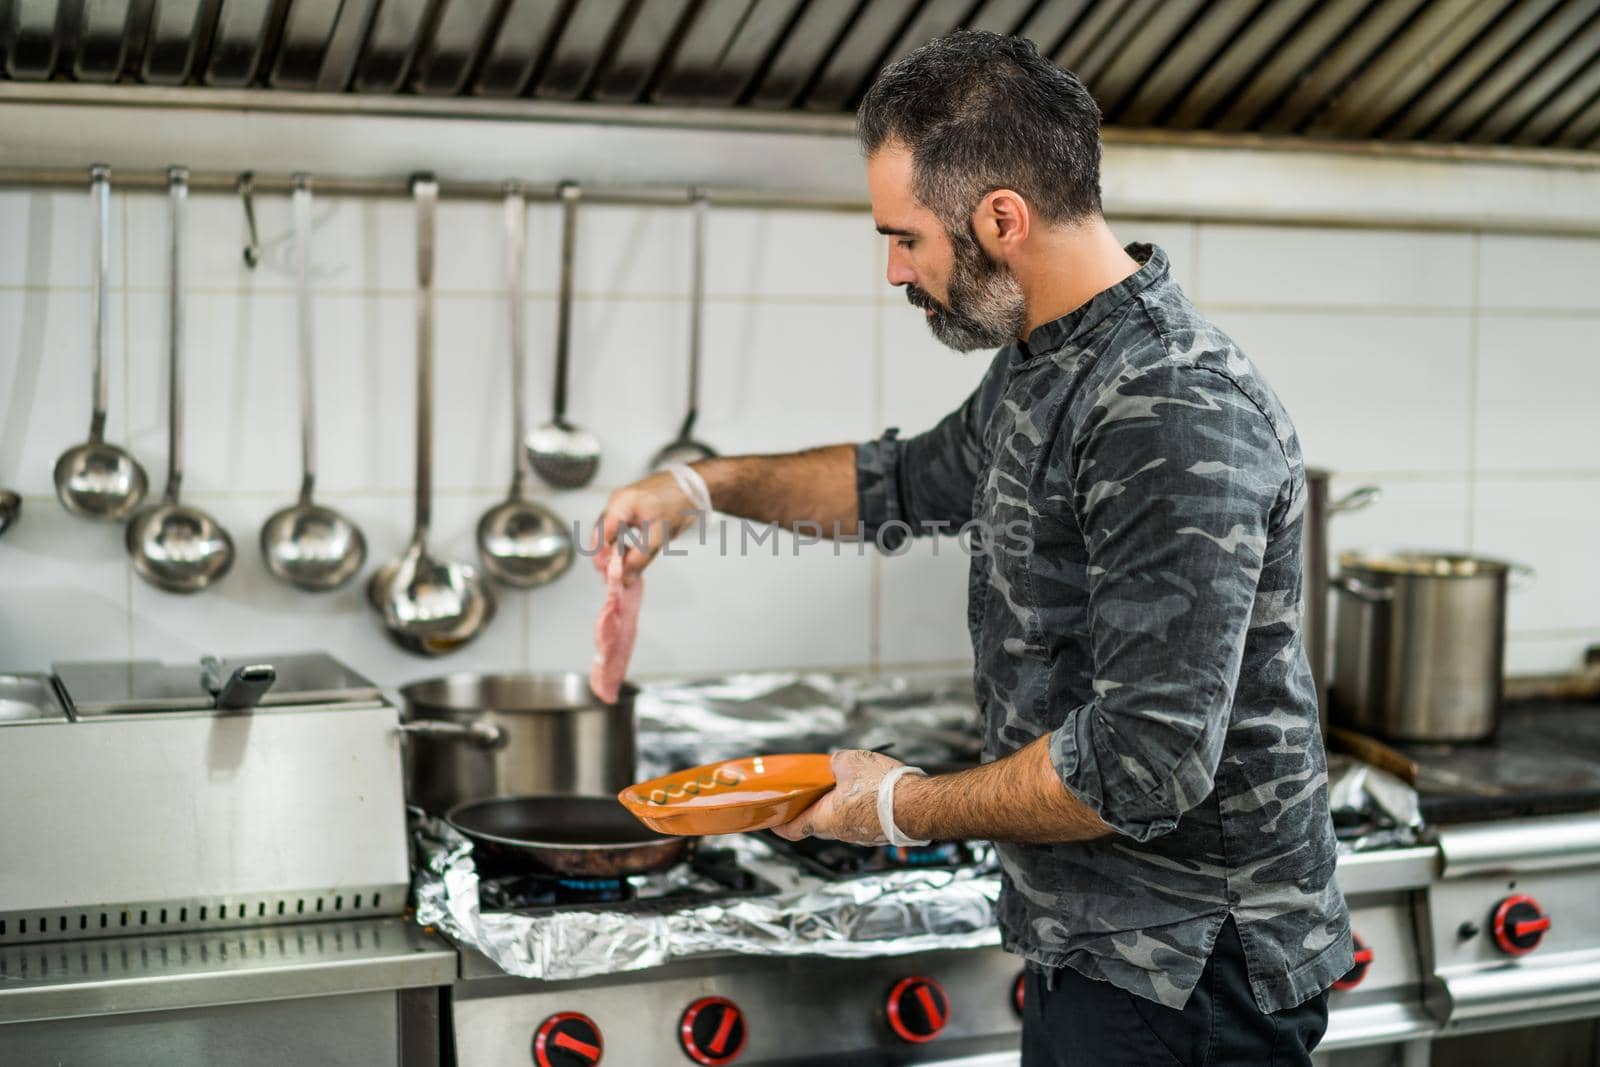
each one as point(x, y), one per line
point(1154, 778)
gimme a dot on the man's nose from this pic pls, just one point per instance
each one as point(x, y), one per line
point(899, 272)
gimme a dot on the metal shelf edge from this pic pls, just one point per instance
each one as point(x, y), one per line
point(412, 959)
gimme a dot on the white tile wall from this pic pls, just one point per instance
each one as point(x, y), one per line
point(1538, 393)
point(923, 381)
point(1375, 391)
point(781, 376)
point(1455, 370)
point(790, 254)
point(45, 391)
point(1539, 655)
point(1549, 525)
point(1311, 266)
point(923, 592)
point(66, 589)
point(1423, 514)
point(1539, 272)
point(755, 604)
point(54, 234)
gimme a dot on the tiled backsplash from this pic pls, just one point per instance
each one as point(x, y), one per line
point(1457, 371)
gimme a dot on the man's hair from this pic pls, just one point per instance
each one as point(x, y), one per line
point(982, 111)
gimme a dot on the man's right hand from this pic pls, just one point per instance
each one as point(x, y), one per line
point(817, 487)
point(654, 509)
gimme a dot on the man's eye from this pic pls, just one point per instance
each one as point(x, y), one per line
point(905, 242)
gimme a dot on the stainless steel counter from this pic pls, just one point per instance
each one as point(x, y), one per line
point(75, 979)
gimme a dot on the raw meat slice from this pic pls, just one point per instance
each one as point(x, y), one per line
point(615, 630)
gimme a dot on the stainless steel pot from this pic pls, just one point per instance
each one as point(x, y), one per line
point(1419, 648)
point(1314, 570)
point(473, 736)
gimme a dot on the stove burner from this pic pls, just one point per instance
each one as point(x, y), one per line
point(592, 890)
point(835, 859)
point(938, 854)
point(712, 874)
point(511, 892)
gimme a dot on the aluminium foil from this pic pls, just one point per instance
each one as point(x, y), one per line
point(892, 913)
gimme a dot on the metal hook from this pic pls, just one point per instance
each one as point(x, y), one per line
point(252, 251)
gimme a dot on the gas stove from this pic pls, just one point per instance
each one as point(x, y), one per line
point(889, 1004)
point(1485, 925)
point(958, 1006)
point(950, 1007)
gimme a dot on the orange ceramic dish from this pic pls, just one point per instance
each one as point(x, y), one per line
point(731, 797)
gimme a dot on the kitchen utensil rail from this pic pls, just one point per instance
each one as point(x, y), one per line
point(397, 187)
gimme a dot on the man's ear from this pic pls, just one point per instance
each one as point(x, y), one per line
point(1002, 222)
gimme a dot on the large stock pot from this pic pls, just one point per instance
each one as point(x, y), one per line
point(1419, 646)
point(473, 736)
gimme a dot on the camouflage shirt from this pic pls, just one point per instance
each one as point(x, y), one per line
point(1137, 598)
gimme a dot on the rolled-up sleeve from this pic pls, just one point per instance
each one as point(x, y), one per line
point(924, 485)
point(1175, 478)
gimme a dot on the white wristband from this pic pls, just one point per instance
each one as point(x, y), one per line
point(886, 806)
point(691, 485)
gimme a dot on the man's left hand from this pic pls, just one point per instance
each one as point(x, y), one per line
point(849, 812)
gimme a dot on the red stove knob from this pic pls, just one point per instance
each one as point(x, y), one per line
point(567, 1039)
point(1017, 993)
point(918, 1009)
point(1519, 925)
point(712, 1031)
point(1358, 970)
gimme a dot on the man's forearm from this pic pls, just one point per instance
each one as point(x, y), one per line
point(817, 485)
point(1019, 798)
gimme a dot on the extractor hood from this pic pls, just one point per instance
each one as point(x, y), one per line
point(1509, 72)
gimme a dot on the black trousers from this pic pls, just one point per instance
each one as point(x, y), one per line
point(1084, 1022)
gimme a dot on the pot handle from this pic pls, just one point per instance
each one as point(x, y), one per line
point(485, 733)
point(1362, 591)
point(1356, 499)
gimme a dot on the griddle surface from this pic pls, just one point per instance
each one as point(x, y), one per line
point(1544, 760)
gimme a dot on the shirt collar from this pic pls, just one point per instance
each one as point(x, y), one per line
point(1055, 334)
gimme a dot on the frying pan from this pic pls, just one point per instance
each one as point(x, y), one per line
point(571, 836)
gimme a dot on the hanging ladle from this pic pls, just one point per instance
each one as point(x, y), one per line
point(96, 480)
point(429, 607)
point(306, 544)
point(684, 448)
point(563, 454)
point(521, 542)
point(179, 549)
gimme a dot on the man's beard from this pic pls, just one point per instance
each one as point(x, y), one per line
point(986, 308)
